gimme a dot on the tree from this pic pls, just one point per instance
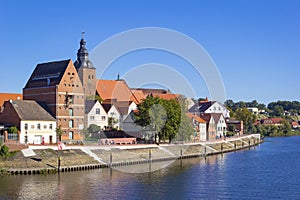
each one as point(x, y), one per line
point(59, 132)
point(12, 129)
point(185, 130)
point(246, 116)
point(278, 110)
point(163, 118)
point(93, 128)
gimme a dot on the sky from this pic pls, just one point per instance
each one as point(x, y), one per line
point(254, 44)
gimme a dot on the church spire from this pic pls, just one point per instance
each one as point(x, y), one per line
point(83, 55)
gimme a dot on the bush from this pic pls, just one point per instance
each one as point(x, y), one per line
point(4, 152)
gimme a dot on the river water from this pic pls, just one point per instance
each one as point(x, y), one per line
point(268, 171)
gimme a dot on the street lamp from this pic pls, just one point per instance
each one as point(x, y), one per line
point(26, 137)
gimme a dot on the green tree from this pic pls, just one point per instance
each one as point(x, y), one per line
point(278, 110)
point(12, 129)
point(93, 128)
point(164, 118)
point(59, 132)
point(246, 116)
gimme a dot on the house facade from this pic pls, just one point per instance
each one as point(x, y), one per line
point(200, 126)
point(211, 127)
point(210, 107)
point(35, 124)
point(95, 114)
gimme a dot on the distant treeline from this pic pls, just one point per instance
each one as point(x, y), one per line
point(288, 110)
point(273, 108)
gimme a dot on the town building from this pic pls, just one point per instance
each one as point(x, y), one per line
point(58, 86)
point(35, 124)
point(95, 114)
point(200, 126)
point(207, 106)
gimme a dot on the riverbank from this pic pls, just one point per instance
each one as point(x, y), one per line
point(75, 158)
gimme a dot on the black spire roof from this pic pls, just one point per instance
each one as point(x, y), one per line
point(83, 55)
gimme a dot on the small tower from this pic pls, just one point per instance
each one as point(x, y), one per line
point(86, 70)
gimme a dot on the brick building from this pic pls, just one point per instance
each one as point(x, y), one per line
point(58, 86)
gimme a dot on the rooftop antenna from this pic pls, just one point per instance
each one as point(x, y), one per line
point(118, 76)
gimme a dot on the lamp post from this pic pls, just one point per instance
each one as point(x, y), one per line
point(26, 138)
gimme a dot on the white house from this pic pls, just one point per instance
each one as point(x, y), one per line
point(210, 107)
point(113, 115)
point(35, 124)
point(95, 114)
point(253, 110)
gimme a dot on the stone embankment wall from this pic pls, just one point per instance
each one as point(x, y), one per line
point(114, 156)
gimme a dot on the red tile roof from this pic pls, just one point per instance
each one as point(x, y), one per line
point(166, 96)
point(115, 89)
point(195, 117)
point(9, 96)
point(138, 94)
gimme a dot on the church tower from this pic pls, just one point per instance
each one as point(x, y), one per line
point(86, 70)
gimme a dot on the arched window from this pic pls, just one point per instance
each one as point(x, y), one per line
point(26, 126)
point(39, 126)
point(50, 127)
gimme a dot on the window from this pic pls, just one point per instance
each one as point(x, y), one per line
point(50, 127)
point(103, 118)
point(71, 112)
point(45, 126)
point(32, 127)
point(26, 126)
point(92, 118)
point(71, 135)
point(39, 126)
point(71, 124)
point(98, 111)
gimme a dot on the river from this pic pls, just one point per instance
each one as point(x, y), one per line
point(270, 170)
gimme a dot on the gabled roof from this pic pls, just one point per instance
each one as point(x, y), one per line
point(47, 74)
point(114, 89)
point(208, 116)
point(29, 110)
point(9, 96)
point(139, 95)
point(121, 106)
point(166, 96)
point(89, 104)
point(195, 117)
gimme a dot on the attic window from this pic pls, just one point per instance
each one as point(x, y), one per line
point(73, 73)
point(69, 73)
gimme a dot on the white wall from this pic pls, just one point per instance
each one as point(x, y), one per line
point(218, 108)
point(36, 135)
point(98, 119)
point(202, 128)
point(114, 113)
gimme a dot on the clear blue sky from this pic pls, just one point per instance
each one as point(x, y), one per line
point(255, 44)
